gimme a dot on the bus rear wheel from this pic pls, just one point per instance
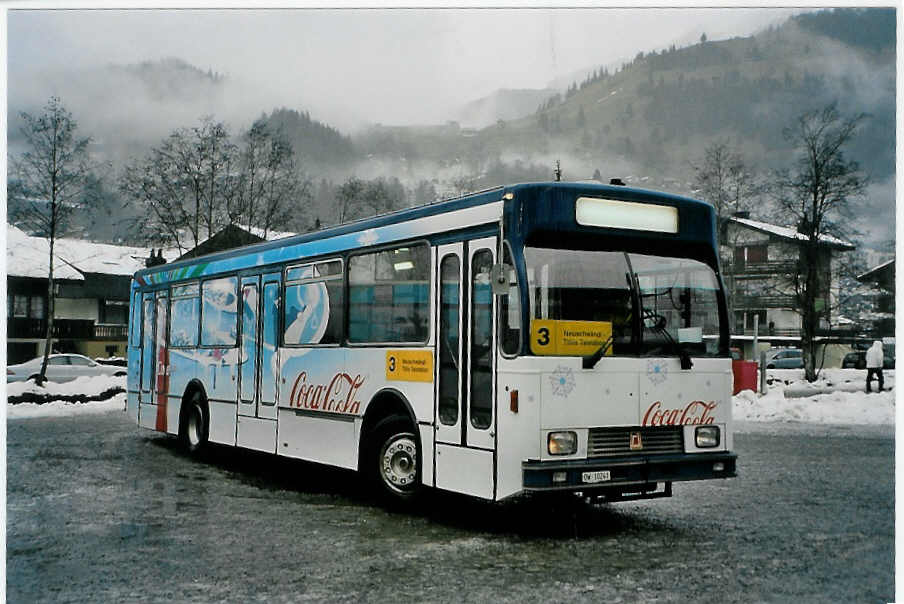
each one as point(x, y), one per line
point(194, 424)
point(393, 460)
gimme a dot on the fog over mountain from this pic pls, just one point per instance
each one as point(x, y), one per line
point(351, 67)
point(463, 97)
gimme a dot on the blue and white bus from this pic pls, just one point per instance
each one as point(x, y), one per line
point(530, 338)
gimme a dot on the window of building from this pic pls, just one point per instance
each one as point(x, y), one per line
point(219, 312)
point(36, 309)
point(313, 304)
point(20, 306)
point(389, 296)
point(115, 312)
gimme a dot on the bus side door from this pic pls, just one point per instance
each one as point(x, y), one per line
point(258, 363)
point(465, 416)
point(249, 375)
point(160, 393)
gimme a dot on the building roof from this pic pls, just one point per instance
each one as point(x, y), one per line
point(790, 233)
point(27, 256)
point(883, 272)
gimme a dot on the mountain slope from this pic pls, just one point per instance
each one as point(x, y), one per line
point(657, 114)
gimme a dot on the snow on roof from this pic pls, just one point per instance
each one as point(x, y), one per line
point(256, 231)
point(876, 269)
point(271, 234)
point(790, 232)
point(26, 256)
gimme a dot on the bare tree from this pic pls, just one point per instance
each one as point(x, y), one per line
point(358, 198)
point(815, 193)
point(724, 180)
point(348, 197)
point(186, 185)
point(270, 190)
point(48, 180)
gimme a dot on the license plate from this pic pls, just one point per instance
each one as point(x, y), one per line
point(591, 477)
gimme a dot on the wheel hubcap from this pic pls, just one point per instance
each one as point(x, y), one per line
point(398, 462)
point(194, 426)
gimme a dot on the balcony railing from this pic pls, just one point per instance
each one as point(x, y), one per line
point(110, 331)
point(770, 267)
point(764, 331)
point(743, 301)
point(64, 329)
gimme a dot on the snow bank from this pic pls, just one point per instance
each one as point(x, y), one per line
point(64, 409)
point(87, 385)
point(832, 408)
point(838, 397)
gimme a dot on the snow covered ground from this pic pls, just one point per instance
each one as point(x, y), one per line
point(838, 397)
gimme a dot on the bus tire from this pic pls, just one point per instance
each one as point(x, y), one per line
point(193, 429)
point(392, 460)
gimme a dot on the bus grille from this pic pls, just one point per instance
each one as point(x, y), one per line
point(604, 442)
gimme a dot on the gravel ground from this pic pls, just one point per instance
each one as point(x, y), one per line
point(98, 511)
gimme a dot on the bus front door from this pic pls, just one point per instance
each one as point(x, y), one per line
point(464, 410)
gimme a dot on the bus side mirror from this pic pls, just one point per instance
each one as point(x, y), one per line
point(499, 279)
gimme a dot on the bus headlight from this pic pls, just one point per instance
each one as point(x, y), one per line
point(562, 443)
point(707, 437)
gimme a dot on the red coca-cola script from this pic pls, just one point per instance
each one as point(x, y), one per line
point(695, 413)
point(336, 397)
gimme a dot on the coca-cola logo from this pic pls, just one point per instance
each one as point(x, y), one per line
point(695, 413)
point(336, 397)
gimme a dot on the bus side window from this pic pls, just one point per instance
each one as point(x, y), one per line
point(449, 363)
point(184, 316)
point(135, 320)
point(314, 304)
point(389, 295)
point(219, 312)
point(510, 309)
point(481, 394)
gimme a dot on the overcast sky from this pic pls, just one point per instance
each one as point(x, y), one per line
point(351, 66)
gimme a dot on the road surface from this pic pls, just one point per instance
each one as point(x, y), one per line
point(98, 511)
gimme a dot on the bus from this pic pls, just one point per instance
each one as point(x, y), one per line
point(533, 338)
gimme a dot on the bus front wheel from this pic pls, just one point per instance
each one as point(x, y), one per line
point(393, 459)
point(195, 424)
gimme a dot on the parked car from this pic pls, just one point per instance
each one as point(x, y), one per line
point(854, 360)
point(60, 368)
point(786, 358)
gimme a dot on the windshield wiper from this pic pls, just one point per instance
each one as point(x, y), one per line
point(590, 361)
point(658, 323)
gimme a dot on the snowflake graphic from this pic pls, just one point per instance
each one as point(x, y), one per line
point(562, 381)
point(657, 372)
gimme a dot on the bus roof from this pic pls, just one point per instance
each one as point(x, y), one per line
point(480, 208)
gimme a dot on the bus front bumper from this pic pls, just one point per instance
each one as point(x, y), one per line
point(627, 471)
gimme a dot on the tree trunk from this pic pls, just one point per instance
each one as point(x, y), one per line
point(48, 337)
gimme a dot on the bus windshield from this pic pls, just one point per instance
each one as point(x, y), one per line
point(651, 305)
